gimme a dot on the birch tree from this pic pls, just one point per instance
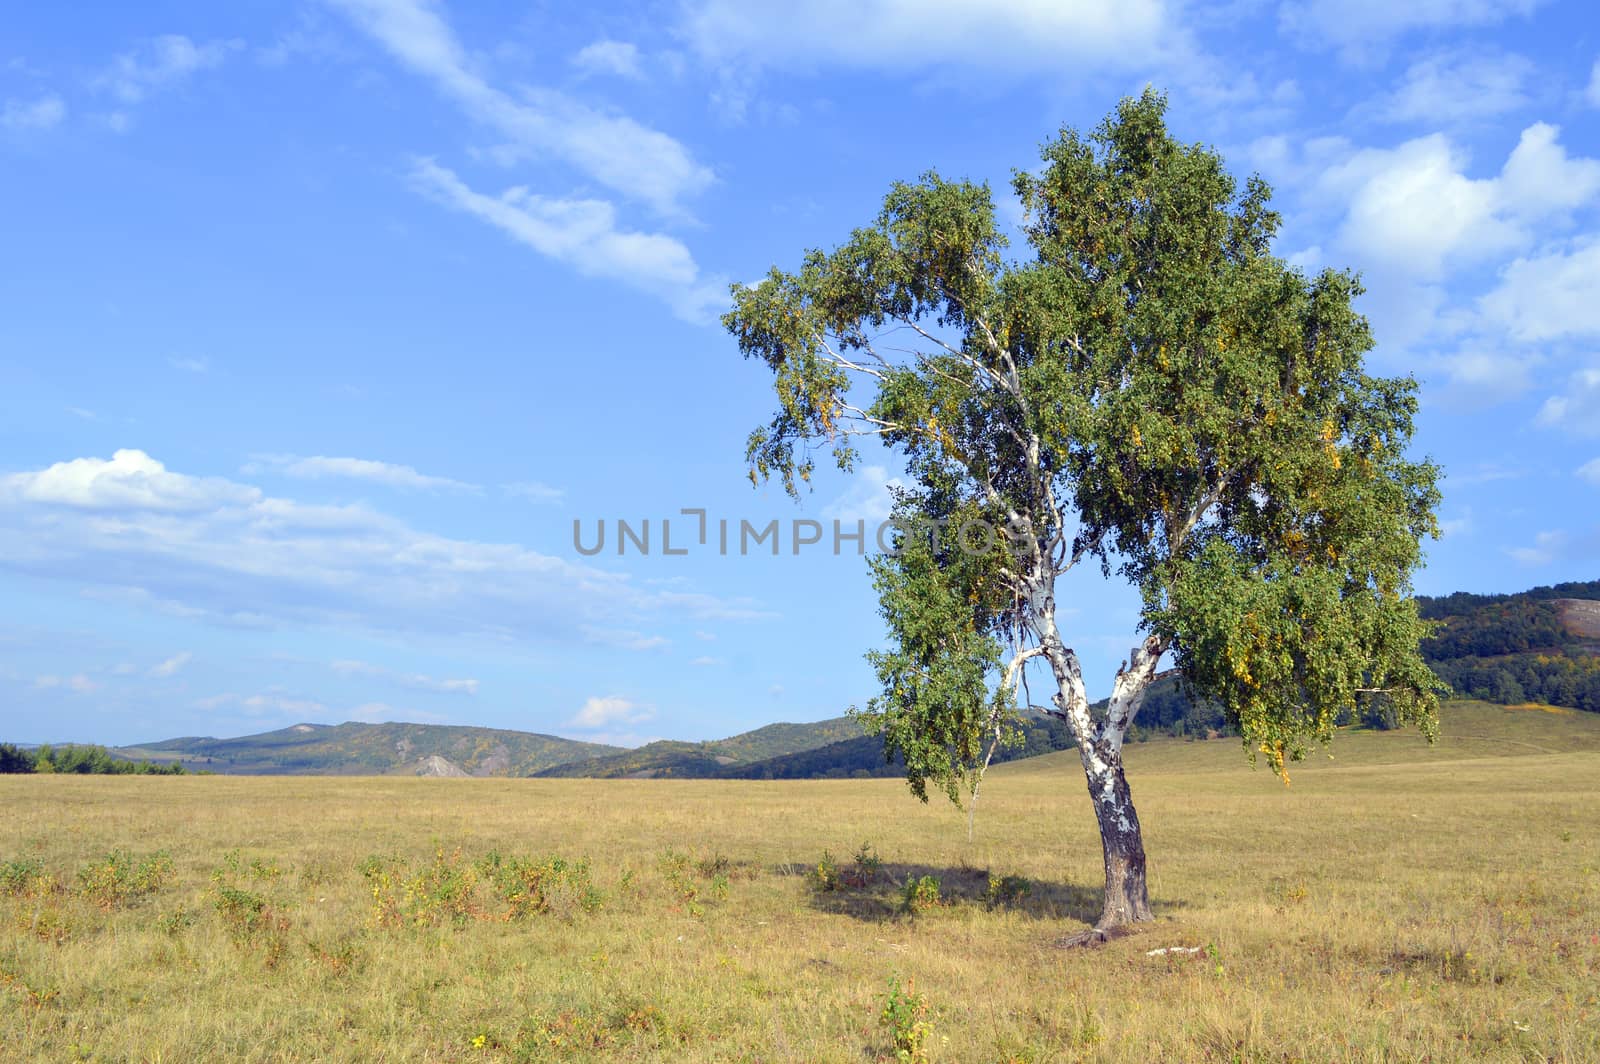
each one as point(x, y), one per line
point(1151, 392)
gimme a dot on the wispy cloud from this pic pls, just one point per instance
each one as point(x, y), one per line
point(1456, 86)
point(1032, 36)
point(1363, 30)
point(131, 531)
point(40, 113)
point(608, 711)
point(414, 680)
point(319, 467)
point(535, 492)
point(190, 365)
point(634, 160)
point(161, 63)
point(586, 235)
point(172, 665)
point(618, 58)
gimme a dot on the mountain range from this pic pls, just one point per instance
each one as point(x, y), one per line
point(1541, 645)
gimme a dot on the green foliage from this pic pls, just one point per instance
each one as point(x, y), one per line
point(920, 894)
point(825, 875)
point(1516, 648)
point(1006, 890)
point(14, 759)
point(23, 875)
point(371, 749)
point(552, 885)
point(1153, 389)
point(82, 760)
point(906, 1015)
point(865, 867)
point(119, 878)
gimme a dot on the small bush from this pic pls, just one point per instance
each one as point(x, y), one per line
point(119, 879)
point(905, 1013)
point(252, 922)
point(920, 894)
point(23, 876)
point(865, 867)
point(825, 876)
point(1006, 890)
point(554, 885)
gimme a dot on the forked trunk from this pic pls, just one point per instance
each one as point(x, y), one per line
point(1127, 901)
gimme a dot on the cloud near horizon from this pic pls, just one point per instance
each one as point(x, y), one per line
point(130, 531)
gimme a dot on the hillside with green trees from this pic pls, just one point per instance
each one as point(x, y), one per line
point(355, 749)
point(1541, 645)
point(735, 756)
point(80, 760)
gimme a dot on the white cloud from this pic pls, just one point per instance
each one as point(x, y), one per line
point(1590, 471)
point(43, 113)
point(623, 638)
point(1033, 35)
point(1592, 94)
point(413, 680)
point(1359, 28)
point(189, 365)
point(610, 710)
point(172, 665)
point(866, 499)
point(77, 684)
point(1449, 87)
point(535, 492)
point(1413, 207)
point(1476, 378)
point(616, 151)
point(1546, 546)
point(584, 234)
point(131, 480)
point(131, 533)
point(706, 637)
point(257, 705)
point(161, 63)
point(620, 58)
point(707, 662)
point(1539, 178)
point(1549, 296)
point(319, 467)
point(1578, 410)
point(378, 712)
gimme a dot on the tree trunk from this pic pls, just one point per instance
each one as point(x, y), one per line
point(1127, 901)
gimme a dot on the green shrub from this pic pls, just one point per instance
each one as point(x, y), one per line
point(553, 885)
point(920, 894)
point(905, 1013)
point(1006, 890)
point(865, 867)
point(825, 876)
point(119, 879)
point(24, 875)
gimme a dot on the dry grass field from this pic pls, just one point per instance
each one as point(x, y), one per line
point(1397, 903)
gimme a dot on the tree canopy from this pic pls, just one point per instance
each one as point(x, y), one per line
point(1150, 390)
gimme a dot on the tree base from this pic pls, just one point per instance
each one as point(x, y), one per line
point(1095, 937)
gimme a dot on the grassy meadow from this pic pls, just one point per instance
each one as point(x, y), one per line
point(1398, 902)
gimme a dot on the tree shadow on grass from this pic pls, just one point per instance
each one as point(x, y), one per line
point(880, 896)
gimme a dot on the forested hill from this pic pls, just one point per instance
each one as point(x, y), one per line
point(1541, 645)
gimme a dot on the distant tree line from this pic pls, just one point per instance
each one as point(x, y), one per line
point(1514, 648)
point(80, 760)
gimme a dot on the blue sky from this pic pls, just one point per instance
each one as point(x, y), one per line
point(321, 322)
